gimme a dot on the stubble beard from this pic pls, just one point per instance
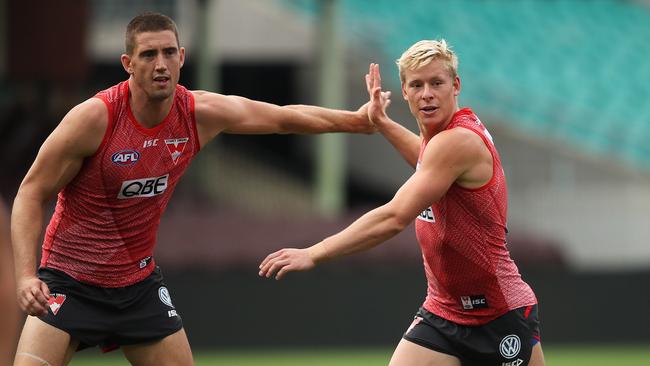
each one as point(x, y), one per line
point(160, 95)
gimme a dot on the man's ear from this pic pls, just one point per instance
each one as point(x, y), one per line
point(182, 53)
point(126, 63)
point(404, 92)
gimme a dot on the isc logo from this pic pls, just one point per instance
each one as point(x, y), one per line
point(145, 187)
point(125, 157)
point(474, 302)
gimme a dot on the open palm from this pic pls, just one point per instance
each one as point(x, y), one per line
point(379, 100)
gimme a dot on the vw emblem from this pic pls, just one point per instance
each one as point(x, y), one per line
point(163, 293)
point(510, 346)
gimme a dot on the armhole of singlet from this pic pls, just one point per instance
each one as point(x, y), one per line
point(47, 240)
point(491, 149)
point(109, 125)
point(197, 142)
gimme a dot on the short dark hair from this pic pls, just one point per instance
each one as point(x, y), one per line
point(147, 22)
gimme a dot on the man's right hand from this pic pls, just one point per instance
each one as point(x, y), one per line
point(286, 260)
point(33, 295)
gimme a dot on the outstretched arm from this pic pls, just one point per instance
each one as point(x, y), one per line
point(449, 156)
point(405, 142)
point(58, 161)
point(217, 113)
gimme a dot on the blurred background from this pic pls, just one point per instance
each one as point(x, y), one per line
point(563, 86)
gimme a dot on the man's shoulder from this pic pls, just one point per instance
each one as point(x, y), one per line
point(113, 93)
point(456, 135)
point(456, 144)
point(213, 105)
point(93, 109)
point(88, 118)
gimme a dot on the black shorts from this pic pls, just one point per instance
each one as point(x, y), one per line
point(110, 317)
point(505, 341)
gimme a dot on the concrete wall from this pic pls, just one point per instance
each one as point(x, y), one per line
point(339, 305)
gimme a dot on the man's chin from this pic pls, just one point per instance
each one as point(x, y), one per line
point(160, 95)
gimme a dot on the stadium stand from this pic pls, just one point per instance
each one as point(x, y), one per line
point(575, 71)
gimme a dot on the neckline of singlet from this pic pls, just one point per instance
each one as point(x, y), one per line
point(147, 131)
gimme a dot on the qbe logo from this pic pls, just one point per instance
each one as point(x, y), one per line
point(145, 187)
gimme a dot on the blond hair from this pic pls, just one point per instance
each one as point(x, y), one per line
point(423, 52)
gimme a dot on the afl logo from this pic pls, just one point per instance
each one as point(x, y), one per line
point(510, 346)
point(125, 157)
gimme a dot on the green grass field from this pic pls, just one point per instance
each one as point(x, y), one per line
point(555, 356)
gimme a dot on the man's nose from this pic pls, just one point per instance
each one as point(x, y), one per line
point(427, 92)
point(160, 63)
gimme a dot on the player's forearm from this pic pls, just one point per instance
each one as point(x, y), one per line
point(313, 119)
point(403, 140)
point(368, 231)
point(26, 224)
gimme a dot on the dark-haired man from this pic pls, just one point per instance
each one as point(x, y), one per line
point(114, 161)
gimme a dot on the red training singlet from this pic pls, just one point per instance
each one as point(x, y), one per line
point(471, 277)
point(103, 230)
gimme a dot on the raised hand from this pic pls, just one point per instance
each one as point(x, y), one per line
point(286, 260)
point(379, 100)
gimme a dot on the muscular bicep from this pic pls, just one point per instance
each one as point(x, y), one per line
point(216, 113)
point(447, 158)
point(60, 157)
point(416, 194)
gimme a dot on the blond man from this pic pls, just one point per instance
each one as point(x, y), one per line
point(478, 310)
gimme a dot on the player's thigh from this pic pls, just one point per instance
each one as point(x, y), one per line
point(171, 350)
point(408, 353)
point(537, 356)
point(42, 344)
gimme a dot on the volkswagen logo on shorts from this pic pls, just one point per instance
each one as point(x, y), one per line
point(163, 293)
point(510, 346)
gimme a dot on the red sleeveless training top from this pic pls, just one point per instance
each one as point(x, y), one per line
point(471, 277)
point(103, 230)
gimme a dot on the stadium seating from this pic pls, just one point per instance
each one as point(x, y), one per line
point(571, 70)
